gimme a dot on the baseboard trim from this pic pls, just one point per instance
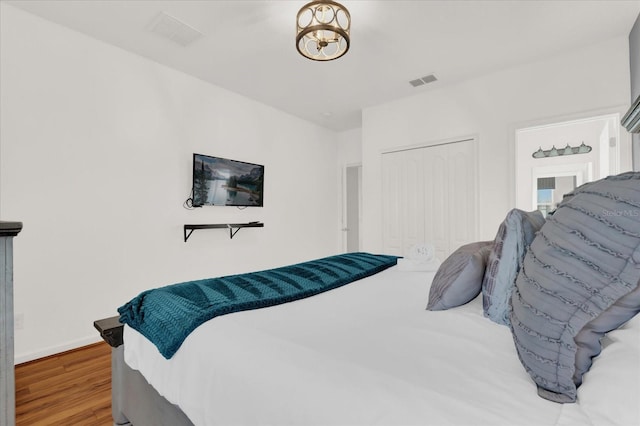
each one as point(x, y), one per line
point(53, 350)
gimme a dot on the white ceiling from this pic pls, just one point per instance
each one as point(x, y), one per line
point(249, 46)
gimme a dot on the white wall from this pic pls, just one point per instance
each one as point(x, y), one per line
point(350, 147)
point(95, 158)
point(491, 106)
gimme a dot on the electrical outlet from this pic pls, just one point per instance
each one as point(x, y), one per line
point(18, 322)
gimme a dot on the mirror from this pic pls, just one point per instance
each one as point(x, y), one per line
point(551, 189)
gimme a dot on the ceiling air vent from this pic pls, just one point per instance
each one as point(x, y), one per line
point(175, 30)
point(424, 80)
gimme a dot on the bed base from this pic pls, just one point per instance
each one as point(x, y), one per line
point(133, 400)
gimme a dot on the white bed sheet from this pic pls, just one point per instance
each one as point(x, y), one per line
point(370, 354)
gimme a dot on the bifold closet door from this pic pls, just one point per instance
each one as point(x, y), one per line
point(436, 196)
point(463, 194)
point(393, 199)
point(429, 195)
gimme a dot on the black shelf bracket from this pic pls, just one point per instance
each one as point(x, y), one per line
point(233, 228)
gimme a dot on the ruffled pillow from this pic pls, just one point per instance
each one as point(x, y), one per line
point(579, 281)
point(515, 234)
point(459, 278)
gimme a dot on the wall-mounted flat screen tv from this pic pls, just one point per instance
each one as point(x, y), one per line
point(223, 182)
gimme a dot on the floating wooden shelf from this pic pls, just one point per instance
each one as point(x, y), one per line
point(233, 228)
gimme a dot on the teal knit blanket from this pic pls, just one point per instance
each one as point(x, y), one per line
point(168, 314)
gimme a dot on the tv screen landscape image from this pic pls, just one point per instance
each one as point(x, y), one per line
point(223, 182)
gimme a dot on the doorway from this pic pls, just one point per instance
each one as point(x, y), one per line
point(353, 207)
point(552, 159)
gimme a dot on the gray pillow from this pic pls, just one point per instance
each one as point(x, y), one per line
point(459, 278)
point(579, 280)
point(515, 234)
point(588, 339)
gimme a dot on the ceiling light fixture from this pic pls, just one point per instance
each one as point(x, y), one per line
point(323, 30)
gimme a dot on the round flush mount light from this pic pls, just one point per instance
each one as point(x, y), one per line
point(323, 30)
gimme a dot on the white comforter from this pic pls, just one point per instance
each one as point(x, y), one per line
point(370, 354)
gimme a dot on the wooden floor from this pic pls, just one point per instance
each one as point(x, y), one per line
point(68, 389)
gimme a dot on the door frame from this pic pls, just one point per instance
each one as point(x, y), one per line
point(624, 140)
point(344, 230)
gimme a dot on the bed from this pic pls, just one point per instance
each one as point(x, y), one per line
point(369, 353)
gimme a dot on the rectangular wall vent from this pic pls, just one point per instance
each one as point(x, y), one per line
point(174, 29)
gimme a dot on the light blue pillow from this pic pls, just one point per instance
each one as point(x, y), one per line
point(579, 280)
point(459, 278)
point(515, 234)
